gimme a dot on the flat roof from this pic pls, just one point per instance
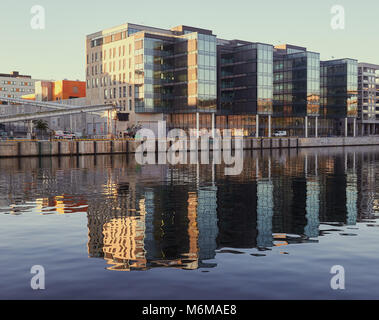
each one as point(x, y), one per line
point(14, 74)
point(368, 65)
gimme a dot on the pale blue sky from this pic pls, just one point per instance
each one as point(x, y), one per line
point(58, 51)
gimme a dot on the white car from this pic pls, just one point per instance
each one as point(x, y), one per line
point(64, 135)
point(58, 134)
point(280, 133)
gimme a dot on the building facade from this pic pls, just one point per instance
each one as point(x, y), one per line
point(245, 86)
point(15, 85)
point(153, 74)
point(368, 98)
point(296, 90)
point(57, 90)
point(339, 96)
point(192, 80)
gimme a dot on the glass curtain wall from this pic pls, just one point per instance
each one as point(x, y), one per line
point(339, 94)
point(296, 91)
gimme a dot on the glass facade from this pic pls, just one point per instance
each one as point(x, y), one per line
point(339, 88)
point(207, 79)
point(245, 78)
point(297, 84)
point(176, 74)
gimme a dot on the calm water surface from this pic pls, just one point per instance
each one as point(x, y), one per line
point(106, 228)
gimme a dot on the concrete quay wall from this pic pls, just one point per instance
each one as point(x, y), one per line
point(28, 148)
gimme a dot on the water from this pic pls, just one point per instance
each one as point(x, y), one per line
point(106, 228)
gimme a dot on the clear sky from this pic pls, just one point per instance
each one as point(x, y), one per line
point(58, 51)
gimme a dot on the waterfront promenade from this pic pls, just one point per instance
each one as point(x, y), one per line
point(33, 148)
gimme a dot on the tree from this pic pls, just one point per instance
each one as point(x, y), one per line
point(41, 126)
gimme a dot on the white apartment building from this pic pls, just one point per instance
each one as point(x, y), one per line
point(15, 85)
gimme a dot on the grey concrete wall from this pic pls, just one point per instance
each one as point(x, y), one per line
point(56, 148)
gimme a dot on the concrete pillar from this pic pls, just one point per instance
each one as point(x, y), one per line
point(30, 129)
point(257, 126)
point(257, 167)
point(197, 125)
point(213, 125)
point(269, 168)
point(306, 126)
point(345, 127)
point(355, 127)
point(363, 129)
point(269, 126)
point(316, 164)
point(316, 127)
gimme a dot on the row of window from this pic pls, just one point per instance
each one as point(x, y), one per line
point(107, 81)
point(14, 83)
point(126, 105)
point(122, 92)
point(109, 67)
point(111, 53)
point(368, 70)
point(16, 89)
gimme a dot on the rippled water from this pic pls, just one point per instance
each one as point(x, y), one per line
point(105, 227)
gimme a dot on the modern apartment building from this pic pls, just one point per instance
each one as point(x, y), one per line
point(192, 80)
point(245, 86)
point(368, 98)
point(154, 74)
point(14, 85)
point(339, 96)
point(296, 90)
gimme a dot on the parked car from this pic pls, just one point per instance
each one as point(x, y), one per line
point(58, 134)
point(64, 135)
point(280, 133)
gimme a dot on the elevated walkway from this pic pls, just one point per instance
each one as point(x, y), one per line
point(58, 110)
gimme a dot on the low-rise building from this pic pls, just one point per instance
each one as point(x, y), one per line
point(15, 85)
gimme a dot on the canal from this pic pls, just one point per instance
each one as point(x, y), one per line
point(105, 227)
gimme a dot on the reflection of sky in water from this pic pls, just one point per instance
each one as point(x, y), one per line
point(317, 206)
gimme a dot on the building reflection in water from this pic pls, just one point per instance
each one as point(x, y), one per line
point(181, 216)
point(182, 222)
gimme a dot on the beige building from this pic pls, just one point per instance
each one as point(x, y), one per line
point(153, 74)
